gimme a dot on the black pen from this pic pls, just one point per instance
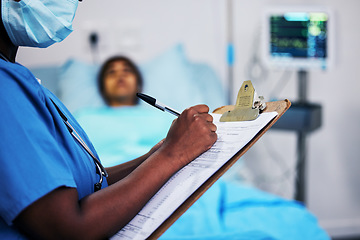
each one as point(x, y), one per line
point(153, 102)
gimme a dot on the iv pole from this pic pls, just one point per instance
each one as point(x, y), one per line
point(230, 50)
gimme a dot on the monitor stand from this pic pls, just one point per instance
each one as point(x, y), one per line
point(300, 180)
point(303, 117)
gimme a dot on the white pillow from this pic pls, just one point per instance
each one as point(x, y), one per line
point(77, 85)
point(174, 80)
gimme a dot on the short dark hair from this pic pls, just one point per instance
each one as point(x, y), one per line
point(106, 65)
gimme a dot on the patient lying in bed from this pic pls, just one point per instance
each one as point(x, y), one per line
point(123, 129)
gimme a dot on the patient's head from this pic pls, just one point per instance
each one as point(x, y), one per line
point(119, 80)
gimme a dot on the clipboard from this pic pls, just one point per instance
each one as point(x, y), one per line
point(278, 106)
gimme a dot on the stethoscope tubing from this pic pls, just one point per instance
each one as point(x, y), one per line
point(100, 168)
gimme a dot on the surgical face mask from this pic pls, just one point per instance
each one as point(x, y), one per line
point(38, 23)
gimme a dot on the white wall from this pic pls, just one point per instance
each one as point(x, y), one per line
point(141, 29)
point(145, 28)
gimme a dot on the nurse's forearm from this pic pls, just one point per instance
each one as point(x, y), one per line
point(120, 171)
point(121, 201)
point(59, 214)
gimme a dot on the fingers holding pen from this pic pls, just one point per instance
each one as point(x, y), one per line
point(207, 122)
point(200, 114)
point(201, 125)
point(207, 117)
point(191, 134)
point(213, 127)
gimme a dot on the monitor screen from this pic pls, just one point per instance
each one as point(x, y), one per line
point(297, 38)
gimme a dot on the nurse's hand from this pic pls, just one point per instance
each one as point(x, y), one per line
point(191, 134)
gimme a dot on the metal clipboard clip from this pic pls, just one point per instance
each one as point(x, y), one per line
point(248, 105)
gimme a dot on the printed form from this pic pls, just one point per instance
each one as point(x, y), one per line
point(232, 137)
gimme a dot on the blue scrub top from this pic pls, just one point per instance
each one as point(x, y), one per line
point(38, 154)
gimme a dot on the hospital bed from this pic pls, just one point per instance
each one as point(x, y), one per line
point(229, 209)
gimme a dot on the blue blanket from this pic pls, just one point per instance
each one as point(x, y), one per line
point(228, 210)
point(124, 133)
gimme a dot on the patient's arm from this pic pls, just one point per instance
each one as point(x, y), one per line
point(120, 171)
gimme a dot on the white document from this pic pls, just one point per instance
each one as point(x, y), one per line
point(232, 136)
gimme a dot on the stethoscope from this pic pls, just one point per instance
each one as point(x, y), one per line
point(99, 167)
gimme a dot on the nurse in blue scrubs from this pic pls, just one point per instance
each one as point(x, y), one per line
point(54, 185)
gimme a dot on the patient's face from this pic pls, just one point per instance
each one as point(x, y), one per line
point(120, 84)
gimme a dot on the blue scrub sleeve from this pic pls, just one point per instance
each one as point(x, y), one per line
point(32, 164)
